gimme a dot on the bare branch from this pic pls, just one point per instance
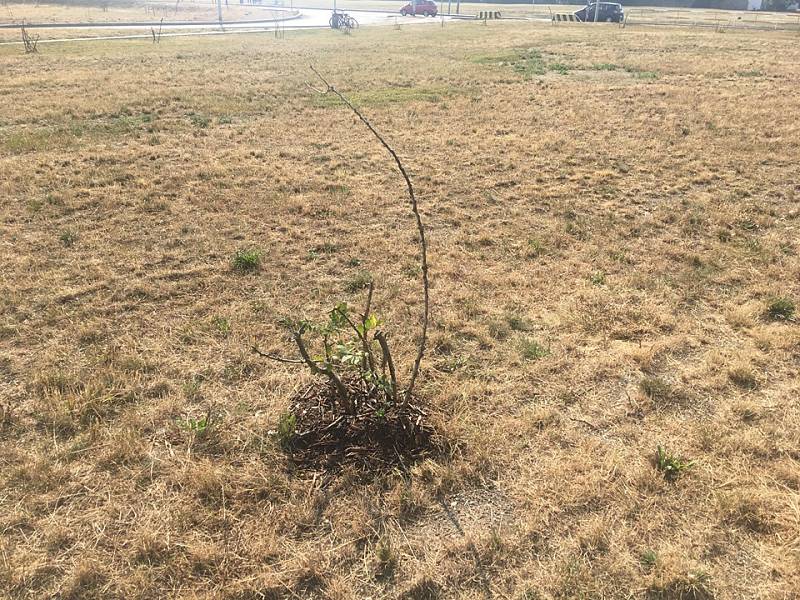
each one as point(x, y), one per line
point(364, 317)
point(291, 361)
point(341, 390)
point(365, 314)
point(420, 229)
point(387, 357)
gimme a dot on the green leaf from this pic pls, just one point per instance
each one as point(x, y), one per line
point(338, 316)
point(371, 322)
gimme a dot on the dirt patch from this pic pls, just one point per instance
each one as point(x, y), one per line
point(380, 434)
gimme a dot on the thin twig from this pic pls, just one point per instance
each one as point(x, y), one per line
point(291, 361)
point(585, 422)
point(420, 229)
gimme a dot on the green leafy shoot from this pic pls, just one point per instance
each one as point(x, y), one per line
point(672, 466)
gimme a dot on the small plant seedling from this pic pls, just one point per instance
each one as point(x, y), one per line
point(222, 326)
point(535, 248)
point(671, 465)
point(598, 278)
point(247, 260)
point(199, 426)
point(352, 353)
point(780, 309)
point(286, 428)
point(200, 121)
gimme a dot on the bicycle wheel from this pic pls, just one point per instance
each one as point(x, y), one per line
point(352, 22)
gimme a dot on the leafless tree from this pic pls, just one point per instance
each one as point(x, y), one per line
point(30, 41)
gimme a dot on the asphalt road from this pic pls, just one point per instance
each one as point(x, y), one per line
point(307, 17)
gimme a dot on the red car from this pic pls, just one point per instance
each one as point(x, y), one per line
point(426, 8)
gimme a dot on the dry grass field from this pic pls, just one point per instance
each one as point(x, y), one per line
point(614, 226)
point(98, 11)
point(135, 11)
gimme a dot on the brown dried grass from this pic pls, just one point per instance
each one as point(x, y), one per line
point(164, 160)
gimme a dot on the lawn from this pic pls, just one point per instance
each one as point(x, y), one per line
point(613, 222)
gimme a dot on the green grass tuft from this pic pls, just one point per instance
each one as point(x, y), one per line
point(247, 260)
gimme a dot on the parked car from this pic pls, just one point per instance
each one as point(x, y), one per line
point(605, 11)
point(426, 8)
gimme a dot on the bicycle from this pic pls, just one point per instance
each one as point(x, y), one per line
point(343, 22)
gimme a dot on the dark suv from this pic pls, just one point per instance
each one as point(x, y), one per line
point(605, 11)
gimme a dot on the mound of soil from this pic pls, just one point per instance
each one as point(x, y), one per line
point(379, 435)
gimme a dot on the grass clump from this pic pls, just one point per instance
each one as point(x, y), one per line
point(517, 322)
point(694, 585)
point(743, 378)
point(358, 282)
point(525, 61)
point(200, 121)
point(671, 465)
point(385, 558)
point(648, 558)
point(247, 260)
point(532, 350)
point(598, 278)
point(659, 391)
point(535, 248)
point(780, 309)
point(68, 238)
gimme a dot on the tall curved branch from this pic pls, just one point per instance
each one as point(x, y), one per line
point(420, 228)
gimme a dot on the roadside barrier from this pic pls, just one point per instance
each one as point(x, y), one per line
point(488, 14)
point(561, 17)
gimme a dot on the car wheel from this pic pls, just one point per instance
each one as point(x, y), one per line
point(402, 13)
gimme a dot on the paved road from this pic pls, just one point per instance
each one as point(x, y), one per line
point(307, 17)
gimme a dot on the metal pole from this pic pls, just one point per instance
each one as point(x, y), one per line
point(596, 9)
point(219, 11)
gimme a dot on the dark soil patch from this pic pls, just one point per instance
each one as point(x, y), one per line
point(379, 435)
